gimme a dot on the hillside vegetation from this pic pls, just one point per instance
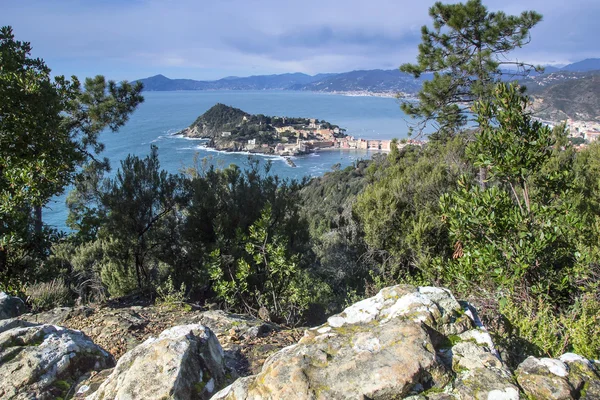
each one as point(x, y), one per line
point(505, 215)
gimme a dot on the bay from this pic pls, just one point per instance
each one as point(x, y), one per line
point(164, 113)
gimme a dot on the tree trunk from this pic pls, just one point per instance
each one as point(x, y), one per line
point(37, 220)
point(482, 177)
point(3, 261)
point(137, 271)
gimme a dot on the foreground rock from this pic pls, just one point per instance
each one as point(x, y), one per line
point(44, 361)
point(570, 377)
point(405, 341)
point(184, 362)
point(120, 328)
point(10, 306)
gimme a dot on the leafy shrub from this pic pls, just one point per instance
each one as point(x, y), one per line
point(268, 278)
point(47, 295)
point(170, 297)
point(582, 324)
point(87, 265)
point(534, 328)
point(115, 266)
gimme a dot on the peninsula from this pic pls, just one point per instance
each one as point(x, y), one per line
point(230, 129)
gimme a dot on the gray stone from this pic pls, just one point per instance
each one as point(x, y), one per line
point(183, 362)
point(44, 361)
point(544, 378)
point(583, 376)
point(11, 306)
point(388, 346)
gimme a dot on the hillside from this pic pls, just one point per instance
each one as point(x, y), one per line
point(589, 64)
point(567, 96)
point(375, 81)
point(217, 119)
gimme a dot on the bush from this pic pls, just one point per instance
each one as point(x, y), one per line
point(170, 297)
point(535, 327)
point(47, 295)
point(582, 324)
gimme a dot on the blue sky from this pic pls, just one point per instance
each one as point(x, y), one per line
point(130, 39)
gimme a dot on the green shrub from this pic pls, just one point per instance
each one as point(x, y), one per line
point(47, 295)
point(536, 329)
point(582, 324)
point(168, 296)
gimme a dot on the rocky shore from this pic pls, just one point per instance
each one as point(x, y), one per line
point(407, 342)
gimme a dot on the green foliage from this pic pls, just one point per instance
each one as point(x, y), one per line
point(517, 233)
point(86, 262)
point(534, 329)
point(137, 205)
point(168, 296)
point(48, 295)
point(224, 204)
point(220, 118)
point(465, 51)
point(399, 211)
point(336, 236)
point(48, 129)
point(582, 324)
point(116, 268)
point(268, 277)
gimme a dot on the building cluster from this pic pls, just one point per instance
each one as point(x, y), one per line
point(306, 146)
point(589, 130)
point(294, 140)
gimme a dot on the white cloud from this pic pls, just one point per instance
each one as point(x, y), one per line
point(262, 36)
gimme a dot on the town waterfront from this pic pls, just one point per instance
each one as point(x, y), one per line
point(165, 113)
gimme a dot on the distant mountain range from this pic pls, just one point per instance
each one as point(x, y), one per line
point(373, 81)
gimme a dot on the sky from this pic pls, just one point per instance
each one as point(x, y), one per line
point(206, 40)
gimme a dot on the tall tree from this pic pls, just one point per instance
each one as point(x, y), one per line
point(48, 129)
point(137, 203)
point(467, 51)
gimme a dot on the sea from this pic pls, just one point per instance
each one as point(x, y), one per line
point(163, 114)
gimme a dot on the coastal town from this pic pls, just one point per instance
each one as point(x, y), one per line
point(586, 130)
point(230, 129)
point(296, 141)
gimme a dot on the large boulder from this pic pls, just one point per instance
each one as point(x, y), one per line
point(44, 361)
point(570, 377)
point(404, 341)
point(10, 306)
point(183, 362)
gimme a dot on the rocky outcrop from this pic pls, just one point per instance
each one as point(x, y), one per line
point(570, 377)
point(10, 306)
point(184, 362)
point(405, 341)
point(44, 361)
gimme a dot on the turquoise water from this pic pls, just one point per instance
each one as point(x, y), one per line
point(164, 113)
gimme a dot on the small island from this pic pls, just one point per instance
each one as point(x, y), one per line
point(230, 129)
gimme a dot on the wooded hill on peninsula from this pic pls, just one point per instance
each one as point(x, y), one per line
point(231, 129)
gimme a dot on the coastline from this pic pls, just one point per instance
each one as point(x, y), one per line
point(270, 155)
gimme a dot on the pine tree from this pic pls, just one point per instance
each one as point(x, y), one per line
point(48, 129)
point(466, 51)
